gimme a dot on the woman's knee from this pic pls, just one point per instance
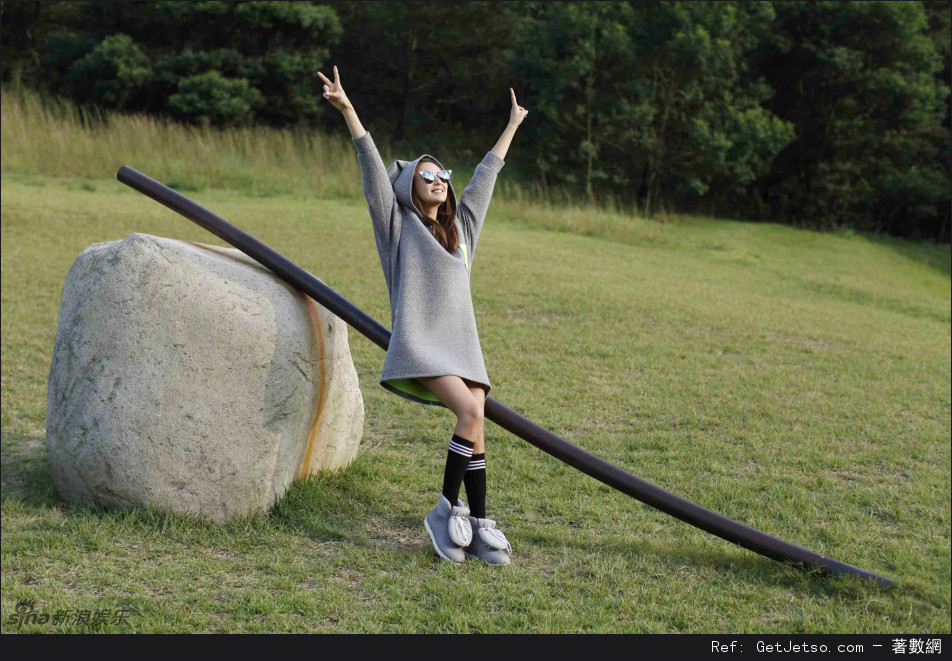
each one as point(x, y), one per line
point(471, 414)
point(452, 391)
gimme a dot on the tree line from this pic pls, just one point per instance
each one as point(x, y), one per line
point(820, 114)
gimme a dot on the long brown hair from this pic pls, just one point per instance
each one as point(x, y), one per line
point(444, 227)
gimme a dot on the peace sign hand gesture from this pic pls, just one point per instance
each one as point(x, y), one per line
point(334, 93)
point(518, 113)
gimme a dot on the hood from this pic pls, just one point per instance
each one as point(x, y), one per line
point(401, 177)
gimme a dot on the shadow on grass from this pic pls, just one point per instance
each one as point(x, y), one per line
point(732, 565)
point(813, 288)
point(327, 508)
point(355, 507)
point(26, 475)
point(342, 506)
point(937, 256)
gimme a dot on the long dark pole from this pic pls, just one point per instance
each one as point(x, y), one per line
point(558, 447)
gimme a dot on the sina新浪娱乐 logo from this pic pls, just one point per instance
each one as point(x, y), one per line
point(25, 613)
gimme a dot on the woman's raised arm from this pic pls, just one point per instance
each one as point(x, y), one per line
point(377, 187)
point(474, 200)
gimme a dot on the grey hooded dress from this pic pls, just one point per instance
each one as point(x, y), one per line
point(431, 309)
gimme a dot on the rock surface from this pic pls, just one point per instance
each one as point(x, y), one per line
point(190, 378)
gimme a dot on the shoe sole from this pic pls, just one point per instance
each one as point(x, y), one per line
point(470, 556)
point(426, 524)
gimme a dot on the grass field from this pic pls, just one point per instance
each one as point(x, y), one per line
point(795, 381)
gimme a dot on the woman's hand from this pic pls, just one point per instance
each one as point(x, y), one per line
point(334, 93)
point(518, 113)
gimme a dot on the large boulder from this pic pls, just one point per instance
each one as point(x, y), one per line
point(190, 378)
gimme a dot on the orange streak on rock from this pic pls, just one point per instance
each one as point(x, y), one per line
point(322, 385)
point(312, 312)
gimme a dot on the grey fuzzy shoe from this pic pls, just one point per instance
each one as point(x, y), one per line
point(489, 544)
point(450, 529)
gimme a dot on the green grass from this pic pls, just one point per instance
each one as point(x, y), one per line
point(795, 381)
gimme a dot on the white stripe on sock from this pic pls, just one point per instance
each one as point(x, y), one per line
point(461, 449)
point(479, 464)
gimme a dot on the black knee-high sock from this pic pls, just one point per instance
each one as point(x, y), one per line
point(475, 480)
point(457, 460)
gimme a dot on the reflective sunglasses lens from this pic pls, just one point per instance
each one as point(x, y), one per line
point(431, 177)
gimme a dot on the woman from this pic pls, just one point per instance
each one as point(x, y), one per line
point(426, 240)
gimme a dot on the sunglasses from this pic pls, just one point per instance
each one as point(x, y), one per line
point(430, 177)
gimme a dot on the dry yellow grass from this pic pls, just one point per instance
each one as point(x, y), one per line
point(52, 136)
point(44, 135)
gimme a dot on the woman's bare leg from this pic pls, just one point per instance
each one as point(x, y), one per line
point(467, 401)
point(479, 394)
point(459, 398)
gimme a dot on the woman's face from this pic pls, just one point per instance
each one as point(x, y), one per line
point(430, 193)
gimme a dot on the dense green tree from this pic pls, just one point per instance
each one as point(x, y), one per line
point(821, 113)
point(111, 73)
point(431, 73)
point(575, 63)
point(860, 82)
point(219, 62)
point(24, 30)
point(210, 95)
point(940, 30)
point(647, 95)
